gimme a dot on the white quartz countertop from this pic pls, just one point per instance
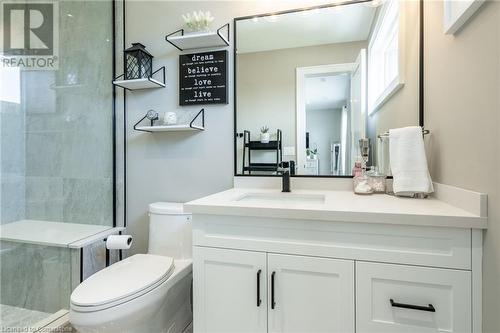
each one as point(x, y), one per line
point(344, 206)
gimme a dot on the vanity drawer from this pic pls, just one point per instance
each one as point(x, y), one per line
point(423, 299)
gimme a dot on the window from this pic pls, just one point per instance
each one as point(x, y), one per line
point(384, 70)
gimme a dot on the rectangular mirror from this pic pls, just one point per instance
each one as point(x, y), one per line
point(311, 83)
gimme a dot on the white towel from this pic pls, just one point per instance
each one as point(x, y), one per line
point(408, 161)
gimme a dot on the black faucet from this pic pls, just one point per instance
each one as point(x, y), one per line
point(285, 177)
point(285, 181)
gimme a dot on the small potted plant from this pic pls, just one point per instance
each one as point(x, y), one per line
point(264, 134)
point(312, 154)
point(198, 21)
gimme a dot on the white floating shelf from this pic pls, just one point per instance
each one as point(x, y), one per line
point(170, 128)
point(198, 41)
point(201, 40)
point(138, 84)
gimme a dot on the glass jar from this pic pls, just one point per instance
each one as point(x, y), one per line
point(362, 185)
point(376, 180)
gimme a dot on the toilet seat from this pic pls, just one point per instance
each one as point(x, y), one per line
point(121, 282)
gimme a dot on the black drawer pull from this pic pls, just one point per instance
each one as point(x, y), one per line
point(429, 308)
point(259, 301)
point(273, 303)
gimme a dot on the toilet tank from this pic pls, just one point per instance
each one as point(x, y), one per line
point(170, 230)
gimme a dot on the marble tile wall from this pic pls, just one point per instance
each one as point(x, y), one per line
point(56, 159)
point(41, 278)
point(56, 146)
point(12, 162)
point(44, 198)
point(35, 277)
point(94, 259)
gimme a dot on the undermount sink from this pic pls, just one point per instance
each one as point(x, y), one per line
point(282, 197)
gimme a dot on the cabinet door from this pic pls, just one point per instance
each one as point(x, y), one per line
point(229, 291)
point(309, 294)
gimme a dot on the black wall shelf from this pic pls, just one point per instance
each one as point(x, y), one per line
point(174, 128)
point(273, 145)
point(144, 83)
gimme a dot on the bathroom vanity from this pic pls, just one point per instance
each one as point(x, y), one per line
point(332, 261)
point(322, 259)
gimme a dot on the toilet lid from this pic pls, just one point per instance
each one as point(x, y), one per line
point(128, 277)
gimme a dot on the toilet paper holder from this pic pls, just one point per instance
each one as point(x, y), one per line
point(118, 242)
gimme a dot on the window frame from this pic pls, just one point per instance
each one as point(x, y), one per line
point(398, 25)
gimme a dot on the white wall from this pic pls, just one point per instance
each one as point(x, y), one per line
point(462, 108)
point(324, 127)
point(178, 167)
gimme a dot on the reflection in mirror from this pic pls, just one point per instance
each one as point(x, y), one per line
point(311, 83)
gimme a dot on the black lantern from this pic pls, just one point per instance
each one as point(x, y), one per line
point(138, 62)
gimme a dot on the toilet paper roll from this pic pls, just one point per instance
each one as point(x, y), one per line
point(119, 242)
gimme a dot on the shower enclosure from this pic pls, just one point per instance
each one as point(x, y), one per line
point(62, 167)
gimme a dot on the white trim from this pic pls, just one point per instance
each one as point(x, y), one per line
point(389, 91)
point(52, 323)
point(343, 137)
point(301, 73)
point(457, 13)
point(477, 281)
point(361, 65)
point(399, 81)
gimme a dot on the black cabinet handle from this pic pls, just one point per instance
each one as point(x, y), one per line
point(273, 303)
point(259, 301)
point(429, 308)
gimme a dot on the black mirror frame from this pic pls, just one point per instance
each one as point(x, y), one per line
point(235, 47)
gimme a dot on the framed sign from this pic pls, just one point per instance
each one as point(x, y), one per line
point(203, 78)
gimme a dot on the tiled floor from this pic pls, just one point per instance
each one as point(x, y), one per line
point(188, 329)
point(14, 319)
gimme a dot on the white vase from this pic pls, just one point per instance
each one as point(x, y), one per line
point(170, 118)
point(264, 137)
point(197, 31)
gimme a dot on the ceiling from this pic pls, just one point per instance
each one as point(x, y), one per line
point(340, 24)
point(327, 92)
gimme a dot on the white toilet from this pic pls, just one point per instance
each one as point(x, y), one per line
point(145, 292)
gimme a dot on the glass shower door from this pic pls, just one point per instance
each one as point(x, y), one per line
point(57, 161)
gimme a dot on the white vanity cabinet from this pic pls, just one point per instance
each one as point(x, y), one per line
point(244, 291)
point(309, 294)
point(399, 298)
point(230, 290)
point(261, 274)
